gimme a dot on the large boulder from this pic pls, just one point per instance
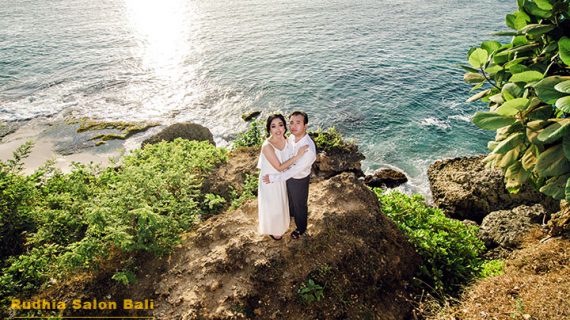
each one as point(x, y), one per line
point(185, 130)
point(386, 178)
point(465, 189)
point(507, 228)
point(331, 163)
point(357, 257)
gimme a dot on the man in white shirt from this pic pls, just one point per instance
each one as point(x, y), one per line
point(298, 175)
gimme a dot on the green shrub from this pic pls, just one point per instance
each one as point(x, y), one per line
point(252, 137)
point(526, 83)
point(79, 219)
point(331, 140)
point(449, 249)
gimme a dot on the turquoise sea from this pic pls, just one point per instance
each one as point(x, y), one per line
point(382, 72)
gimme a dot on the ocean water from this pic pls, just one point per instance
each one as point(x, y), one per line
point(382, 72)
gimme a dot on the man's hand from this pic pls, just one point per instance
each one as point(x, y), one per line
point(266, 178)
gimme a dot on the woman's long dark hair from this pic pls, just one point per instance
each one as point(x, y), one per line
point(273, 117)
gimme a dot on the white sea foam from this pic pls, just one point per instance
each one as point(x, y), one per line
point(431, 121)
point(460, 117)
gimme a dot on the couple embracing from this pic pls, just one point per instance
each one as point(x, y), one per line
point(285, 164)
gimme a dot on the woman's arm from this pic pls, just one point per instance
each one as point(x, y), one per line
point(270, 155)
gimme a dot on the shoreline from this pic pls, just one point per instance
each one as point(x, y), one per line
point(48, 135)
point(45, 148)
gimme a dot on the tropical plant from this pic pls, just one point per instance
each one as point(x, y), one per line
point(527, 85)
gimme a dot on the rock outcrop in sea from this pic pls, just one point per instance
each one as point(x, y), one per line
point(465, 189)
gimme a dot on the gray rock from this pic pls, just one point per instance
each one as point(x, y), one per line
point(507, 228)
point(333, 163)
point(7, 128)
point(465, 189)
point(250, 116)
point(185, 130)
point(387, 178)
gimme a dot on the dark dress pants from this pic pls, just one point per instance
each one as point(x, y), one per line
point(298, 194)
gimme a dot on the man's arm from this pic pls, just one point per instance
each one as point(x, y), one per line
point(305, 162)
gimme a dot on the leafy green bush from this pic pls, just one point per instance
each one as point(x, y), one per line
point(526, 83)
point(79, 219)
point(331, 140)
point(252, 137)
point(450, 249)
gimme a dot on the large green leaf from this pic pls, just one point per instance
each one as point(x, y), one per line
point(517, 42)
point(512, 107)
point(490, 46)
point(493, 69)
point(526, 77)
point(507, 159)
point(545, 89)
point(510, 21)
point(518, 68)
point(563, 104)
point(555, 187)
point(544, 4)
point(538, 29)
point(563, 87)
point(511, 91)
point(554, 131)
point(509, 143)
point(552, 162)
point(564, 50)
point(534, 10)
point(517, 20)
point(529, 158)
point(515, 177)
point(534, 128)
point(523, 48)
point(478, 58)
point(514, 62)
point(491, 120)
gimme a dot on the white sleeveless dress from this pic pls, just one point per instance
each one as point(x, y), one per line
point(272, 197)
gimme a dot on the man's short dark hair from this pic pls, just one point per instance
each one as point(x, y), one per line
point(300, 113)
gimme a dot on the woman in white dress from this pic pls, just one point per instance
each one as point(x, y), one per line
point(272, 198)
